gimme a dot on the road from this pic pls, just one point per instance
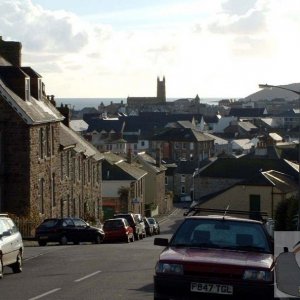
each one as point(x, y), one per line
point(87, 271)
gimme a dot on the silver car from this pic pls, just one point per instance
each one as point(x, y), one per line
point(11, 245)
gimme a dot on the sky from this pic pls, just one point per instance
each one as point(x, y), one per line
point(118, 48)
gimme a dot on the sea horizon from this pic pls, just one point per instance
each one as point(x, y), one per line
point(80, 103)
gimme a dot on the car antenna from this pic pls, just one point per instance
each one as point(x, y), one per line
point(225, 212)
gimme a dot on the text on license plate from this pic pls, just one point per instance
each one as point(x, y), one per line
point(211, 288)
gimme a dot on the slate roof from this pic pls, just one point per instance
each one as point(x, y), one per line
point(151, 162)
point(115, 167)
point(68, 137)
point(78, 125)
point(247, 126)
point(247, 112)
point(246, 168)
point(33, 111)
point(105, 125)
point(182, 135)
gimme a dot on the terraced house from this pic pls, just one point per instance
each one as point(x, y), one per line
point(46, 169)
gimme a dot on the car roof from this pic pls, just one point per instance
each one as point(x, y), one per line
point(225, 218)
point(115, 219)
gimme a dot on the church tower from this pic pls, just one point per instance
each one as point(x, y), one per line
point(161, 89)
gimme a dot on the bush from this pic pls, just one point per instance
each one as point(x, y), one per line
point(285, 214)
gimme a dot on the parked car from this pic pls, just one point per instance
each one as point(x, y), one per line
point(134, 223)
point(148, 227)
point(156, 227)
point(65, 230)
point(216, 256)
point(11, 245)
point(118, 229)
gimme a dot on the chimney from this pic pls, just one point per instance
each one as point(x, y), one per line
point(129, 156)
point(11, 51)
point(65, 111)
point(158, 157)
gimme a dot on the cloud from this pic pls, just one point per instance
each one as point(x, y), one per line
point(39, 29)
point(253, 23)
point(238, 7)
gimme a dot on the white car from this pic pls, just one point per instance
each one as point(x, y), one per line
point(11, 245)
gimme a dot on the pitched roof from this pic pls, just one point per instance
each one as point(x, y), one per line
point(246, 112)
point(33, 111)
point(68, 137)
point(245, 168)
point(151, 162)
point(182, 135)
point(105, 125)
point(78, 125)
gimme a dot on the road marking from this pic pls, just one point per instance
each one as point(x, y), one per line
point(45, 294)
point(87, 276)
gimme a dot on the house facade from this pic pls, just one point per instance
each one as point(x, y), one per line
point(43, 163)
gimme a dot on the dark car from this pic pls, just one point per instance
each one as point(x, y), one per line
point(148, 227)
point(134, 223)
point(66, 230)
point(216, 256)
point(155, 224)
point(118, 229)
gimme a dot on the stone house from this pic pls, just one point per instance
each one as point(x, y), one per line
point(155, 192)
point(183, 143)
point(123, 186)
point(40, 156)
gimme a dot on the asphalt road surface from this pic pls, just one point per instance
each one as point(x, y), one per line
point(87, 271)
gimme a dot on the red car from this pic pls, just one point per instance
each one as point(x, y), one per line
point(118, 229)
point(216, 257)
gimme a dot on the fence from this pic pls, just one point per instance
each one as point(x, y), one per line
point(25, 227)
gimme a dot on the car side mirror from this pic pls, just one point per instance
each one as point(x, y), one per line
point(161, 242)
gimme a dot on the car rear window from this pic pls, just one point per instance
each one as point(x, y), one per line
point(225, 234)
point(113, 224)
point(49, 223)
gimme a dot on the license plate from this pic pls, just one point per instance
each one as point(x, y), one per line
point(211, 288)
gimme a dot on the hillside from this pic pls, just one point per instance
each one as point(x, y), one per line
point(273, 93)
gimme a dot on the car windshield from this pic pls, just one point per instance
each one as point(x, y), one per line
point(223, 234)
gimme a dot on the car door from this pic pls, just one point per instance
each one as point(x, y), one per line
point(7, 247)
point(84, 232)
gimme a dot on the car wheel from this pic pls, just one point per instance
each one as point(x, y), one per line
point(63, 240)
point(98, 239)
point(17, 266)
point(1, 268)
point(42, 243)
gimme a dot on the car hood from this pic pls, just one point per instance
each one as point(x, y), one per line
point(207, 256)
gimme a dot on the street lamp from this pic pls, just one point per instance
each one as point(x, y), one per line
point(262, 86)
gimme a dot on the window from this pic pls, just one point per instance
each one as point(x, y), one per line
point(182, 189)
point(68, 164)
point(41, 195)
point(183, 145)
point(142, 143)
point(62, 166)
point(48, 141)
point(53, 200)
point(41, 143)
point(192, 146)
point(182, 178)
point(52, 140)
point(40, 89)
point(255, 207)
point(166, 180)
point(27, 89)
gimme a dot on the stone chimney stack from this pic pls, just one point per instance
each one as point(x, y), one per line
point(129, 156)
point(11, 51)
point(158, 157)
point(65, 111)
